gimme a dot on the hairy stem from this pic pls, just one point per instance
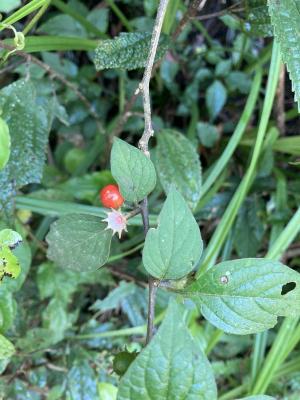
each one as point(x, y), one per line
point(143, 145)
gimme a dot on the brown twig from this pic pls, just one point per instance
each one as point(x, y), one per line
point(194, 7)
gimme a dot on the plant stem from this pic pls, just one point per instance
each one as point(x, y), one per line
point(143, 145)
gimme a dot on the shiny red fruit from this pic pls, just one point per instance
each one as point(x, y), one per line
point(111, 197)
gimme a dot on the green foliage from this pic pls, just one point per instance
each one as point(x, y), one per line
point(178, 164)
point(172, 250)
point(169, 367)
point(79, 242)
point(4, 143)
point(9, 264)
point(285, 17)
point(246, 296)
point(133, 171)
point(29, 127)
point(6, 348)
point(258, 21)
point(215, 97)
point(127, 51)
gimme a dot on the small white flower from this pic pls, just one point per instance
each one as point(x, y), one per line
point(116, 221)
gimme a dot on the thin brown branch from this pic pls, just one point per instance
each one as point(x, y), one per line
point(279, 104)
point(143, 88)
point(194, 7)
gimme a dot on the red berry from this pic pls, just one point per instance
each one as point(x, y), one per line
point(111, 197)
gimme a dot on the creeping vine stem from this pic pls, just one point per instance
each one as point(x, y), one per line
point(143, 143)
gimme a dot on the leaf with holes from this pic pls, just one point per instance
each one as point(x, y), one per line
point(79, 242)
point(285, 17)
point(170, 367)
point(172, 250)
point(178, 163)
point(9, 264)
point(246, 296)
point(127, 51)
point(133, 171)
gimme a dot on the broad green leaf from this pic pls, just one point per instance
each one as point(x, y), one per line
point(127, 51)
point(285, 17)
point(107, 391)
point(207, 133)
point(114, 297)
point(258, 21)
point(10, 238)
point(133, 171)
point(9, 5)
point(178, 163)
point(7, 310)
point(6, 348)
point(4, 144)
point(9, 264)
point(29, 126)
point(63, 25)
point(170, 367)
point(81, 381)
point(79, 242)
point(246, 296)
point(216, 96)
point(173, 248)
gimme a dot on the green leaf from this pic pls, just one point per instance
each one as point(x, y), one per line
point(170, 367)
point(246, 296)
point(178, 163)
point(216, 96)
point(172, 250)
point(258, 397)
point(9, 5)
point(4, 144)
point(127, 51)
point(79, 242)
point(63, 25)
point(208, 134)
point(285, 17)
point(249, 230)
point(9, 264)
point(133, 171)
point(7, 310)
point(114, 297)
point(10, 238)
point(29, 126)
point(258, 21)
point(107, 391)
point(6, 348)
point(81, 381)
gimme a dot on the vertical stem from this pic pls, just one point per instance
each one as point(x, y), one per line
point(143, 145)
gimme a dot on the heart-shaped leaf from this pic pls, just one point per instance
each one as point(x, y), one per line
point(133, 171)
point(79, 242)
point(169, 367)
point(246, 296)
point(171, 250)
